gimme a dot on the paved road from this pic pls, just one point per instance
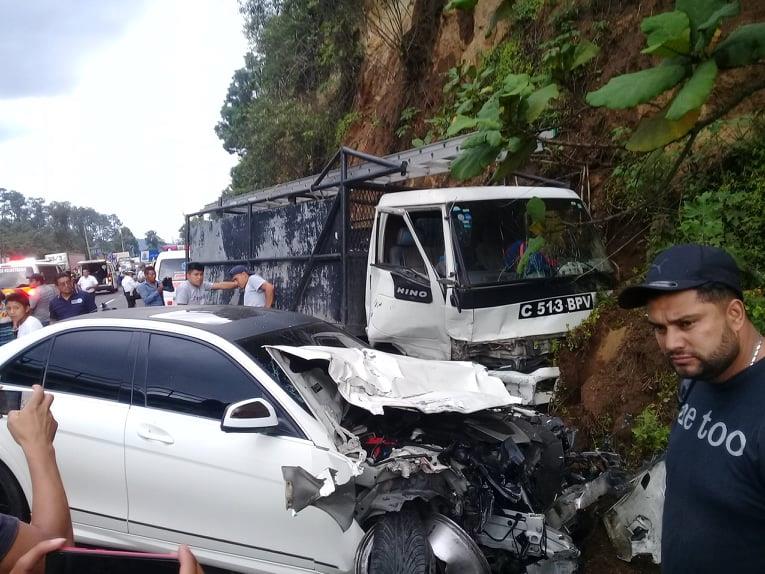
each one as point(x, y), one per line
point(117, 300)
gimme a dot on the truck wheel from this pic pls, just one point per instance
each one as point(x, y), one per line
point(401, 545)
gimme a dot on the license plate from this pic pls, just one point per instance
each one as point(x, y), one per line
point(557, 306)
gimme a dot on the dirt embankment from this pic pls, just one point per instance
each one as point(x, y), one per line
point(611, 372)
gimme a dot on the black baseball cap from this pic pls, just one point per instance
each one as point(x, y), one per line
point(683, 267)
point(237, 269)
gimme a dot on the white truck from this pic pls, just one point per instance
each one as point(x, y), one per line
point(486, 274)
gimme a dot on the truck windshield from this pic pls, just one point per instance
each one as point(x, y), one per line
point(500, 241)
point(11, 277)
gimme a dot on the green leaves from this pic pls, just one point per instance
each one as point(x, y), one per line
point(657, 131)
point(583, 53)
point(744, 46)
point(695, 91)
point(505, 126)
point(461, 5)
point(629, 90)
point(705, 17)
point(667, 34)
point(537, 102)
point(459, 124)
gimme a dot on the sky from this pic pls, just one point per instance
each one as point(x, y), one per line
point(112, 104)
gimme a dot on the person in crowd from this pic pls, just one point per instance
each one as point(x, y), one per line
point(254, 291)
point(17, 307)
point(40, 297)
point(70, 303)
point(194, 290)
point(34, 428)
point(6, 323)
point(151, 289)
point(128, 288)
point(87, 282)
point(715, 460)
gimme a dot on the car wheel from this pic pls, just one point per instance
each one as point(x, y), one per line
point(12, 499)
point(400, 545)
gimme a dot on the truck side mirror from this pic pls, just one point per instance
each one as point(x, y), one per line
point(447, 281)
point(250, 415)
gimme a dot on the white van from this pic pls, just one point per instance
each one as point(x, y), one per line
point(102, 270)
point(171, 265)
point(15, 274)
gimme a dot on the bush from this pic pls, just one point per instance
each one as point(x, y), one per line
point(650, 436)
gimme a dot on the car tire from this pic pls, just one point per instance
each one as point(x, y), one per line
point(400, 545)
point(12, 499)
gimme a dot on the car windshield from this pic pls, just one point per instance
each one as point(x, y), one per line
point(11, 277)
point(322, 334)
point(500, 241)
point(169, 267)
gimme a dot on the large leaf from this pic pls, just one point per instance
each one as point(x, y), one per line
point(537, 101)
point(657, 131)
point(583, 53)
point(667, 34)
point(460, 123)
point(727, 11)
point(461, 4)
point(518, 152)
point(515, 84)
point(488, 115)
point(744, 46)
point(695, 92)
point(699, 12)
point(472, 161)
point(629, 90)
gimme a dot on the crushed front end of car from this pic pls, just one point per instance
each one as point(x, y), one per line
point(449, 471)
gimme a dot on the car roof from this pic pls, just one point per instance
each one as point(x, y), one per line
point(232, 322)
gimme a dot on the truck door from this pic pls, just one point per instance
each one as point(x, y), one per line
point(405, 300)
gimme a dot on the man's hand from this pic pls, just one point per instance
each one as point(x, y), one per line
point(189, 564)
point(33, 562)
point(34, 427)
point(160, 287)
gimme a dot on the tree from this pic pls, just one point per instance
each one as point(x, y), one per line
point(153, 241)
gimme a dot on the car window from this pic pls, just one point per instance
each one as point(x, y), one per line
point(93, 363)
point(28, 368)
point(192, 378)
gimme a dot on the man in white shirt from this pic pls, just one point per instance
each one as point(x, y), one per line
point(254, 291)
point(87, 282)
point(128, 288)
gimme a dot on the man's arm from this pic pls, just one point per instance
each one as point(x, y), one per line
point(34, 428)
point(182, 295)
point(52, 311)
point(225, 285)
point(269, 290)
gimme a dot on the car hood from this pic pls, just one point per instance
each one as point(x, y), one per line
point(371, 380)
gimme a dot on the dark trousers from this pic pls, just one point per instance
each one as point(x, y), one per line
point(130, 300)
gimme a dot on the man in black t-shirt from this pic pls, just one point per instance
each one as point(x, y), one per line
point(714, 509)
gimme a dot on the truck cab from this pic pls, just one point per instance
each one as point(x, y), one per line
point(487, 274)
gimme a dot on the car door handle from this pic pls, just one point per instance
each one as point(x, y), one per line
point(151, 432)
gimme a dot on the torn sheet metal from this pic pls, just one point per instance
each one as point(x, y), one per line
point(372, 380)
point(634, 523)
point(302, 489)
point(524, 385)
point(581, 496)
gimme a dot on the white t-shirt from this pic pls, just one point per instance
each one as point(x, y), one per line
point(29, 325)
point(88, 283)
point(128, 284)
point(253, 296)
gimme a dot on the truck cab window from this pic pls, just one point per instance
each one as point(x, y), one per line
point(429, 227)
point(399, 247)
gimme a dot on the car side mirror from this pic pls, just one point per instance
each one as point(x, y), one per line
point(250, 415)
